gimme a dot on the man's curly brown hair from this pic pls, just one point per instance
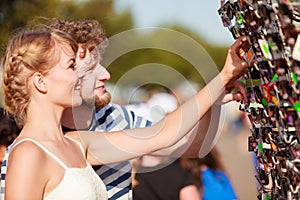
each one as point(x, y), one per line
point(88, 33)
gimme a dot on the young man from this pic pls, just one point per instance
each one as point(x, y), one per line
point(99, 114)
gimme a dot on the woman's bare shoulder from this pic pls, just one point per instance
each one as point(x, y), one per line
point(27, 153)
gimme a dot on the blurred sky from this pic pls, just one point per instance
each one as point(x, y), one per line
point(197, 15)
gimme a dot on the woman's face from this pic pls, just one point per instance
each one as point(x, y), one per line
point(63, 84)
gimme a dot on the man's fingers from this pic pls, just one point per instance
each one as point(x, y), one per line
point(238, 91)
point(241, 88)
point(81, 53)
point(88, 58)
point(239, 42)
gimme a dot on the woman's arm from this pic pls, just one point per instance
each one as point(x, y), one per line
point(124, 145)
point(200, 140)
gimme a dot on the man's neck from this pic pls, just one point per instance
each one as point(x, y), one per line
point(77, 117)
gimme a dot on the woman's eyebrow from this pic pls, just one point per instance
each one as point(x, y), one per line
point(72, 60)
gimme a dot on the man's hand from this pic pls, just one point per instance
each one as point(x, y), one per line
point(233, 69)
point(86, 60)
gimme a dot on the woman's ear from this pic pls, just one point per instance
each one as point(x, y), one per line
point(39, 82)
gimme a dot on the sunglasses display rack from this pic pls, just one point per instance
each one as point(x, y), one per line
point(273, 90)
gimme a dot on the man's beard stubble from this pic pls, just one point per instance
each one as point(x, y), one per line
point(103, 101)
point(97, 102)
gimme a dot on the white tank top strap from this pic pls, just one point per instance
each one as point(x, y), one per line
point(78, 143)
point(43, 148)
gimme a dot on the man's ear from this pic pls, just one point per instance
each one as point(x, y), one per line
point(39, 82)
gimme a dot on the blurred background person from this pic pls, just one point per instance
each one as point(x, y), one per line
point(8, 132)
point(210, 176)
point(164, 181)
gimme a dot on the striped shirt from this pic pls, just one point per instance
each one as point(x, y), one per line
point(3, 173)
point(116, 177)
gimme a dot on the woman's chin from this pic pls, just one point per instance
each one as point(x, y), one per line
point(77, 102)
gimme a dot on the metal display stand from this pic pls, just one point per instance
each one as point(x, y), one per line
point(273, 90)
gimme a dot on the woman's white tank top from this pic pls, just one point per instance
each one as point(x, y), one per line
point(77, 183)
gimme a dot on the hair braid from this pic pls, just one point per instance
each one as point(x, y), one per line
point(15, 88)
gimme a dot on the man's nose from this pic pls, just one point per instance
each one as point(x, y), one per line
point(102, 73)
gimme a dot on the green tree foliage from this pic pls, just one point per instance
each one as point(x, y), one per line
point(139, 57)
point(15, 14)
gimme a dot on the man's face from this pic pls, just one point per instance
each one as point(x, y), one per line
point(93, 76)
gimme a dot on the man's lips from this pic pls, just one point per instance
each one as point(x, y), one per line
point(100, 88)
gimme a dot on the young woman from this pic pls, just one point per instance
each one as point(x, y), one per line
point(40, 80)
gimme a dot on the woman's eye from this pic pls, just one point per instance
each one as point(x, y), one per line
point(73, 66)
